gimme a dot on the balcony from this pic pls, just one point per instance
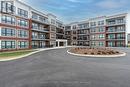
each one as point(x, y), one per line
point(86, 39)
point(117, 38)
point(115, 23)
point(40, 38)
point(44, 30)
point(114, 30)
point(40, 20)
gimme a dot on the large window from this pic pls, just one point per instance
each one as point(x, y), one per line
point(34, 35)
point(7, 7)
point(34, 26)
point(120, 36)
point(23, 23)
point(101, 36)
point(7, 44)
point(92, 24)
point(53, 21)
point(101, 43)
point(8, 19)
point(22, 12)
point(111, 29)
point(111, 44)
point(43, 19)
point(120, 20)
point(42, 36)
point(93, 43)
point(93, 37)
point(120, 44)
point(23, 33)
point(22, 44)
point(111, 22)
point(83, 26)
point(34, 16)
point(111, 36)
point(121, 28)
point(101, 22)
point(93, 29)
point(74, 27)
point(7, 32)
point(101, 29)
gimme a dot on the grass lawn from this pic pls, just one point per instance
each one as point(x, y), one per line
point(14, 53)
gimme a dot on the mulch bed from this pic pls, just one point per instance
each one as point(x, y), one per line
point(94, 51)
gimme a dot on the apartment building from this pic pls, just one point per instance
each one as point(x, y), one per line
point(104, 31)
point(23, 27)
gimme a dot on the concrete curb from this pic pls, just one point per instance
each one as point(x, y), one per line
point(97, 56)
point(39, 50)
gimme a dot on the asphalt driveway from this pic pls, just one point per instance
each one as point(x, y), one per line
point(57, 68)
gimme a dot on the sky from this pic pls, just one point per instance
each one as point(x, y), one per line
point(77, 10)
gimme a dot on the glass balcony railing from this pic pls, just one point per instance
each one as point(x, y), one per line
point(115, 38)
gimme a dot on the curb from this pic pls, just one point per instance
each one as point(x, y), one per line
point(106, 56)
point(39, 50)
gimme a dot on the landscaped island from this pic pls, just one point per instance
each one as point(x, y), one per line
point(94, 51)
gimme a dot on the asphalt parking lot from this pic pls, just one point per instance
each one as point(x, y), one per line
point(57, 68)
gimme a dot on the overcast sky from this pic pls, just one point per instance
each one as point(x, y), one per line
point(76, 10)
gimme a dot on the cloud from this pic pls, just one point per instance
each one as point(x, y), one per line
point(111, 4)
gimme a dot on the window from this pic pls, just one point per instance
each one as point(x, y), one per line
point(93, 43)
point(34, 35)
point(101, 44)
point(42, 36)
point(101, 29)
point(120, 44)
point(7, 32)
point(111, 22)
point(121, 20)
point(111, 36)
point(93, 30)
point(34, 26)
point(83, 26)
point(93, 37)
point(7, 7)
point(23, 33)
point(101, 22)
point(22, 23)
point(93, 24)
point(43, 19)
point(7, 44)
point(34, 16)
point(111, 44)
point(74, 32)
point(101, 36)
point(23, 44)
point(120, 36)
point(52, 21)
point(74, 26)
point(111, 29)
point(34, 44)
point(121, 28)
point(8, 19)
point(22, 12)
